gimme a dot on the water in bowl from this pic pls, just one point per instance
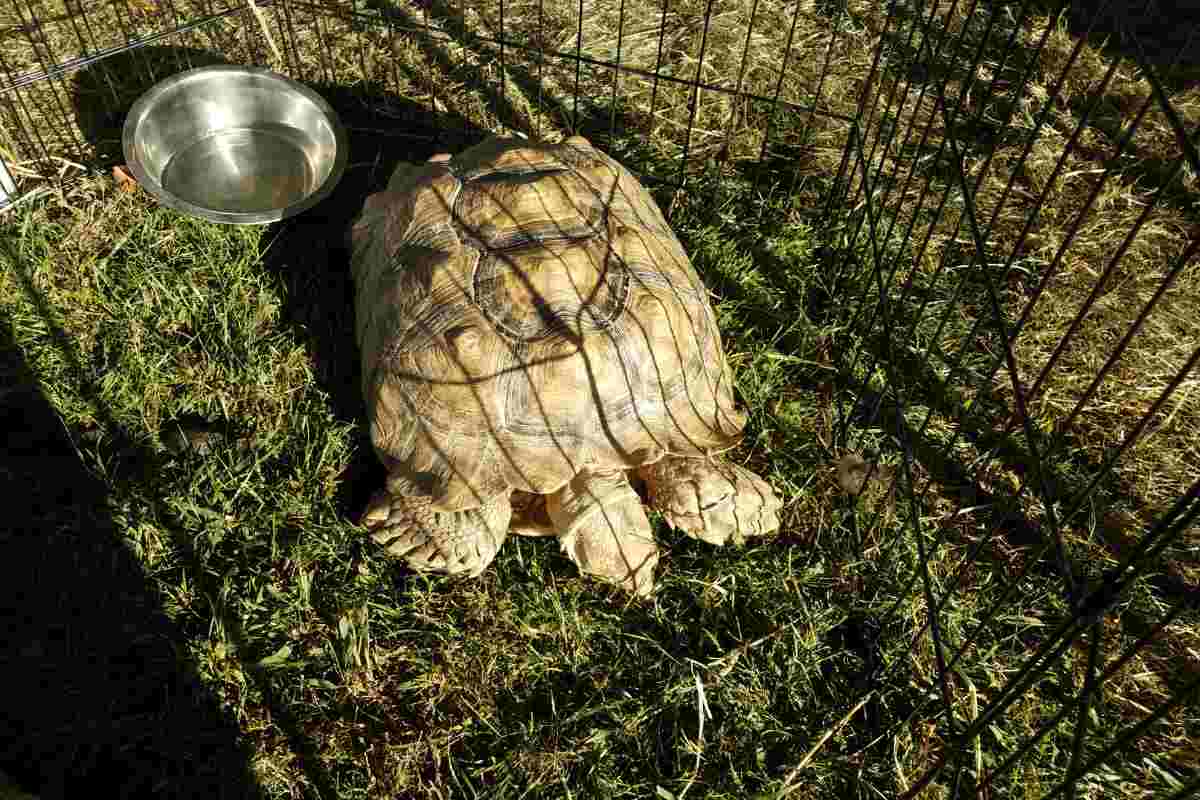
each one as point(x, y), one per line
point(242, 170)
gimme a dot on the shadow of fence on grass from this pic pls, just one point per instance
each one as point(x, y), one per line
point(101, 695)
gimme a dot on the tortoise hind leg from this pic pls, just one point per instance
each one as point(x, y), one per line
point(712, 500)
point(451, 542)
point(602, 526)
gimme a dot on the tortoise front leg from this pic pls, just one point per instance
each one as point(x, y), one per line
point(450, 542)
point(602, 527)
point(712, 500)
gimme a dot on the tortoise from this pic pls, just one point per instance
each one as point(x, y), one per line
point(536, 348)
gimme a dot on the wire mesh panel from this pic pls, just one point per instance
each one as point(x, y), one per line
point(955, 245)
point(670, 89)
point(1024, 352)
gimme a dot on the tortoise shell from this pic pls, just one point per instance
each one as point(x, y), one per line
point(524, 312)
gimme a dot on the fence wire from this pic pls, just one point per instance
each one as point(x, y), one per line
point(934, 77)
point(981, 164)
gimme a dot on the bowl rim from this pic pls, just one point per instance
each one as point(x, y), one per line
point(167, 198)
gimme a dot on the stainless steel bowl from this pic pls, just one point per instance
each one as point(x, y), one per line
point(232, 144)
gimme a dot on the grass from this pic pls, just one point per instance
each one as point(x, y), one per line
point(298, 662)
point(1124, 187)
point(283, 611)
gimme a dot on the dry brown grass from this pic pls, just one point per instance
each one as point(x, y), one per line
point(746, 54)
point(743, 50)
point(1164, 461)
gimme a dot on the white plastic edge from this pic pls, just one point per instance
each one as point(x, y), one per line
point(8, 187)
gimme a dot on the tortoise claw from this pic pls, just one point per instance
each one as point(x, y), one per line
point(715, 501)
point(449, 542)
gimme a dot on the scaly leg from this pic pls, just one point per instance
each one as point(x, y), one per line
point(452, 542)
point(602, 527)
point(712, 500)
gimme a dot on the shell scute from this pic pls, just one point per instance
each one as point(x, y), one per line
point(525, 312)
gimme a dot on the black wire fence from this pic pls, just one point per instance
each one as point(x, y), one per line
point(960, 160)
point(967, 165)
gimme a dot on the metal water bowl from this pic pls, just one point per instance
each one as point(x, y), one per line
point(238, 145)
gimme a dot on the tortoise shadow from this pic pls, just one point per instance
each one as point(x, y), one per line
point(310, 257)
point(102, 94)
point(306, 254)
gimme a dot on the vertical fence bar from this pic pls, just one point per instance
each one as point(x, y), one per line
point(324, 50)
point(503, 64)
point(662, 35)
point(540, 110)
point(578, 67)
point(616, 74)
point(694, 106)
point(774, 107)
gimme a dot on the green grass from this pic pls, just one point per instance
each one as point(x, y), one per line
point(249, 635)
point(344, 673)
point(132, 318)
